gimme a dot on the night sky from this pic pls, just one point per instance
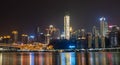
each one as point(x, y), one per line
point(24, 16)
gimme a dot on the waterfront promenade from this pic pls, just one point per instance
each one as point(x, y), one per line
point(18, 47)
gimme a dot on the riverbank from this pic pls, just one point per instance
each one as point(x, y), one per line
point(64, 50)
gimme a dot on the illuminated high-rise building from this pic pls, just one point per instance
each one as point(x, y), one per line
point(15, 36)
point(39, 35)
point(103, 26)
point(89, 40)
point(54, 32)
point(95, 36)
point(94, 31)
point(67, 27)
point(103, 30)
point(114, 37)
point(24, 38)
point(83, 36)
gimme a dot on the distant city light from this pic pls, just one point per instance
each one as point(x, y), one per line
point(83, 30)
point(1, 38)
point(102, 19)
point(71, 29)
point(32, 36)
point(62, 35)
point(41, 33)
point(51, 26)
point(8, 36)
point(79, 38)
point(24, 35)
point(48, 35)
point(71, 46)
point(110, 26)
point(4, 37)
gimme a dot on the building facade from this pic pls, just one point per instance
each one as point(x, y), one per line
point(67, 27)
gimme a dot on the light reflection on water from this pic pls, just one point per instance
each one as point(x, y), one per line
point(67, 58)
point(54, 58)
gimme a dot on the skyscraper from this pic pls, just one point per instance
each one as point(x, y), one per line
point(95, 36)
point(15, 36)
point(54, 32)
point(103, 30)
point(39, 35)
point(67, 26)
point(103, 26)
point(94, 31)
point(89, 40)
point(114, 37)
point(83, 36)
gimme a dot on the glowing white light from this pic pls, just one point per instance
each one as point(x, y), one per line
point(83, 30)
point(110, 26)
point(32, 36)
point(102, 19)
point(51, 26)
point(41, 33)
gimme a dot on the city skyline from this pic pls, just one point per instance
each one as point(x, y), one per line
point(59, 32)
point(27, 15)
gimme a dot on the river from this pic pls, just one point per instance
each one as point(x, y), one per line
point(59, 58)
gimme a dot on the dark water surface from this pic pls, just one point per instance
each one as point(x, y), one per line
point(55, 58)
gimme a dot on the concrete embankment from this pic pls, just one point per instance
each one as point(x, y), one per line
point(10, 49)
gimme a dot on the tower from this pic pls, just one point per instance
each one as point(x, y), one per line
point(94, 31)
point(103, 30)
point(103, 26)
point(67, 26)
